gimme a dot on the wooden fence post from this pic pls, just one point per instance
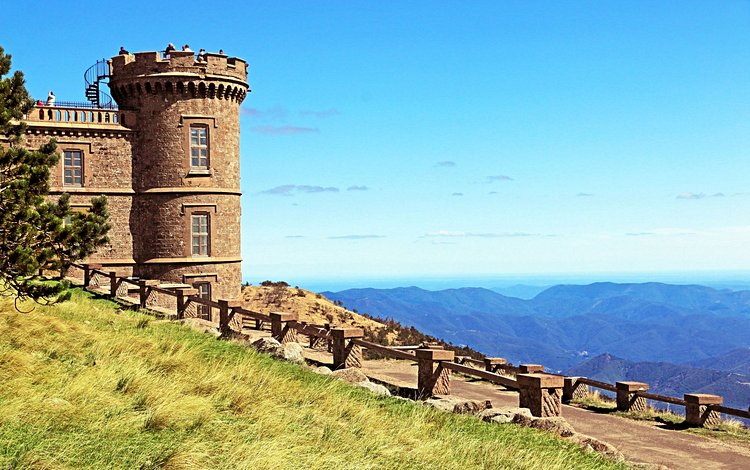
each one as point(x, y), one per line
point(492, 364)
point(627, 399)
point(698, 411)
point(144, 291)
point(182, 294)
point(432, 377)
point(86, 275)
point(113, 284)
point(531, 368)
point(573, 389)
point(346, 354)
point(283, 327)
point(540, 393)
point(224, 319)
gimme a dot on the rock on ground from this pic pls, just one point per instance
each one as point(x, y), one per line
point(593, 444)
point(322, 370)
point(504, 414)
point(377, 389)
point(201, 326)
point(267, 345)
point(557, 424)
point(291, 352)
point(351, 375)
point(458, 405)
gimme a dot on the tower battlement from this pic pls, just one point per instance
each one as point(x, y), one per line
point(149, 63)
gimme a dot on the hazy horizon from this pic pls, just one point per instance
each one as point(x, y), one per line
point(735, 280)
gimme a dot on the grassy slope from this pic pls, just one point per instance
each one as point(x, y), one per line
point(311, 307)
point(83, 387)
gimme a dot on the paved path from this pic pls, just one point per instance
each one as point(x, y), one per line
point(638, 441)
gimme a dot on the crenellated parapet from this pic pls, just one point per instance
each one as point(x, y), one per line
point(180, 74)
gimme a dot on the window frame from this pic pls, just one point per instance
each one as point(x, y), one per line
point(187, 123)
point(80, 167)
point(201, 233)
point(205, 147)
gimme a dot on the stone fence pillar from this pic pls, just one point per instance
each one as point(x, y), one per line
point(531, 368)
point(492, 364)
point(433, 378)
point(540, 393)
point(627, 400)
point(346, 354)
point(572, 389)
point(697, 412)
point(283, 327)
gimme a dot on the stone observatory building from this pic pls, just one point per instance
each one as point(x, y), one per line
point(166, 153)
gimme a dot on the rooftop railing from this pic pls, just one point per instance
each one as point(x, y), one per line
point(63, 113)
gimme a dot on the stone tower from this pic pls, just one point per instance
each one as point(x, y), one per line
point(185, 217)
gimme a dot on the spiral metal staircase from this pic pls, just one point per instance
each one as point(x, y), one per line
point(95, 76)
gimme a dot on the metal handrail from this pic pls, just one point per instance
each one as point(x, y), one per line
point(93, 77)
point(77, 104)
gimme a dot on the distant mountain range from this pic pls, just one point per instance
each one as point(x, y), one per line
point(564, 325)
point(674, 379)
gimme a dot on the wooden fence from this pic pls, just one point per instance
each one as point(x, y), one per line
point(543, 393)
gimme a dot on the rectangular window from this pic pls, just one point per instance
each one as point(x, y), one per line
point(204, 292)
point(199, 234)
point(72, 168)
point(199, 147)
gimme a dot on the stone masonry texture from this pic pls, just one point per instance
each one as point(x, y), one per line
point(139, 157)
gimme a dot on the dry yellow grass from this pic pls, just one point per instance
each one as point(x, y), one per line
point(311, 307)
point(82, 386)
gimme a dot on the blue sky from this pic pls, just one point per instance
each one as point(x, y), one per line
point(456, 139)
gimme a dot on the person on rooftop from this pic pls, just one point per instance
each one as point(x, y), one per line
point(186, 48)
point(123, 51)
point(167, 52)
point(51, 98)
point(201, 56)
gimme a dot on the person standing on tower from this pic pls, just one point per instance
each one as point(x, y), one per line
point(168, 50)
point(51, 98)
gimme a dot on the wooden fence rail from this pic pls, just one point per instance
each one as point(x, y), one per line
point(483, 374)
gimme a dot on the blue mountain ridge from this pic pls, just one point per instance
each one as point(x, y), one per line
point(566, 324)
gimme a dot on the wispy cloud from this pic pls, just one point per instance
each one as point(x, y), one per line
point(283, 130)
point(320, 114)
point(495, 178)
point(584, 195)
point(357, 188)
point(355, 237)
point(277, 113)
point(457, 194)
point(458, 234)
point(295, 236)
point(291, 189)
point(445, 164)
point(639, 234)
point(691, 195)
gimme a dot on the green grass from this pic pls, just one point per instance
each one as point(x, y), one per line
point(86, 385)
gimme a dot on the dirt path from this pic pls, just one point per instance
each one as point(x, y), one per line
point(638, 441)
